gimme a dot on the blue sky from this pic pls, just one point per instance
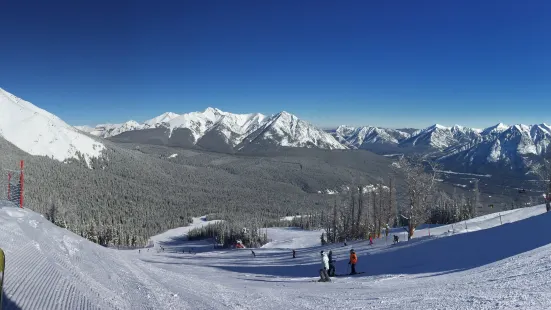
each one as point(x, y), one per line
point(387, 63)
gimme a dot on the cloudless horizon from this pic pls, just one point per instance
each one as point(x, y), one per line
point(391, 64)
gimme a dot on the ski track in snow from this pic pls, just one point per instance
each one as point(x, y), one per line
point(51, 268)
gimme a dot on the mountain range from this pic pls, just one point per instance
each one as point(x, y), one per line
point(464, 149)
point(467, 149)
point(217, 130)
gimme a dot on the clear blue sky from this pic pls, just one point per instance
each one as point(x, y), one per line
point(396, 63)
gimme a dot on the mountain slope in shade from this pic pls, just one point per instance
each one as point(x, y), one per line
point(285, 129)
point(38, 132)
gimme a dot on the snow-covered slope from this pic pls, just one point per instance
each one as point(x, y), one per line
point(39, 132)
point(481, 267)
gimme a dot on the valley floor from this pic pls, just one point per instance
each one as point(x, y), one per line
point(504, 267)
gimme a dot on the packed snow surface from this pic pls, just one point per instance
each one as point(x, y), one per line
point(38, 132)
point(480, 264)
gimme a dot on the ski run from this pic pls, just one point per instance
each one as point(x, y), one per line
point(498, 261)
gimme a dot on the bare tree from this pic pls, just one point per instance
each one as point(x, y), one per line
point(543, 171)
point(476, 199)
point(420, 186)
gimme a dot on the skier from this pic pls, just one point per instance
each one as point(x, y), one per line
point(353, 261)
point(254, 255)
point(331, 264)
point(395, 239)
point(294, 254)
point(324, 277)
point(370, 239)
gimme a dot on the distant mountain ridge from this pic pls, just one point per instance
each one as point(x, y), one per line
point(217, 130)
point(466, 149)
point(221, 131)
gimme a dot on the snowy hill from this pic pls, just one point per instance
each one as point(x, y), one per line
point(38, 132)
point(486, 266)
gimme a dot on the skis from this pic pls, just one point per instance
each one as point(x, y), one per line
point(2, 265)
point(345, 274)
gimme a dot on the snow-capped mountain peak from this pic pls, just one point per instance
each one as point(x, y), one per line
point(438, 126)
point(286, 129)
point(163, 118)
point(38, 132)
point(496, 129)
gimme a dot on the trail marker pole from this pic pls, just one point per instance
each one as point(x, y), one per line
point(9, 185)
point(21, 180)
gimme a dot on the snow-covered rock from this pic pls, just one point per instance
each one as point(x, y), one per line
point(38, 132)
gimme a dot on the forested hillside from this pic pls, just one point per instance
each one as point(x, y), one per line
point(137, 191)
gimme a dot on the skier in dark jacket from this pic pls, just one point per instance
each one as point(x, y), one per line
point(331, 264)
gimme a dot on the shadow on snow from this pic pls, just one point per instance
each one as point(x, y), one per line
point(430, 255)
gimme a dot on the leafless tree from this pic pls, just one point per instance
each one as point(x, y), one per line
point(420, 187)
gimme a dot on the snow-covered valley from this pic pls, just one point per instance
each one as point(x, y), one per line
point(480, 264)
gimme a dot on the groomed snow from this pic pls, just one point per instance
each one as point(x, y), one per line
point(38, 132)
point(495, 267)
